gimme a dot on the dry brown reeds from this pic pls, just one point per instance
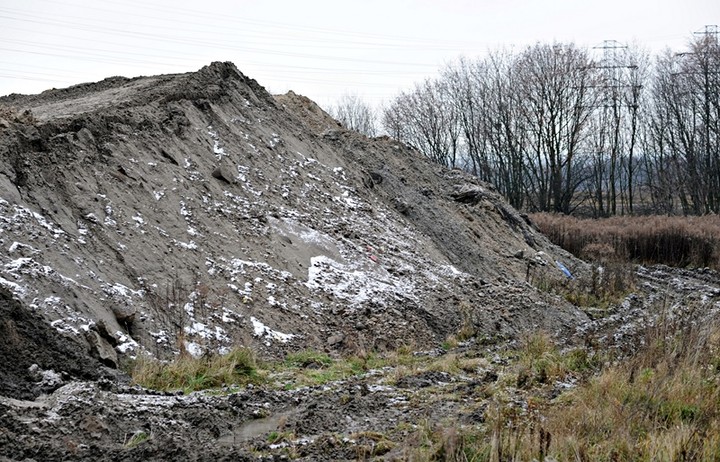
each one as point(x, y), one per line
point(673, 241)
point(661, 404)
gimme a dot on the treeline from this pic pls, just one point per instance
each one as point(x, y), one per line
point(557, 127)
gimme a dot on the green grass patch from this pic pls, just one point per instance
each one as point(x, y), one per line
point(189, 374)
point(308, 359)
point(136, 439)
point(309, 368)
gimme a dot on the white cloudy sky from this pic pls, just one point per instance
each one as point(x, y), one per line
point(319, 48)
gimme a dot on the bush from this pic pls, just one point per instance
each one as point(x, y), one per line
point(602, 288)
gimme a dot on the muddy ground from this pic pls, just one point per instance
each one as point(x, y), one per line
point(378, 414)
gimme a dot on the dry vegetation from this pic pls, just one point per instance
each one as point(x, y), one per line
point(659, 405)
point(545, 403)
point(596, 291)
point(674, 241)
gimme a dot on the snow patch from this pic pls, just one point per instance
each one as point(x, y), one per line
point(121, 291)
point(218, 150)
point(161, 337)
point(185, 245)
point(356, 284)
point(62, 326)
point(194, 349)
point(205, 332)
point(19, 246)
point(263, 331)
point(17, 215)
point(350, 202)
point(17, 290)
point(125, 342)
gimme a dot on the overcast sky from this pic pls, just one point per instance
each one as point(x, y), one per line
point(318, 48)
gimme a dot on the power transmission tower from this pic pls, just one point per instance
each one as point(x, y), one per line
point(695, 82)
point(615, 69)
point(710, 49)
point(616, 106)
point(709, 30)
point(711, 33)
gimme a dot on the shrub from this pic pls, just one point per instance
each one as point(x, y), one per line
point(603, 287)
point(136, 439)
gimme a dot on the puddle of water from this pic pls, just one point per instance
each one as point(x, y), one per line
point(253, 428)
point(23, 404)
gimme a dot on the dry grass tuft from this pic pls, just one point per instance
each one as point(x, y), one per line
point(187, 373)
point(659, 404)
point(601, 288)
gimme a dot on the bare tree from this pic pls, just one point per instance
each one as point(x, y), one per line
point(516, 121)
point(426, 119)
point(355, 114)
point(686, 122)
point(466, 84)
point(493, 137)
point(614, 123)
point(662, 173)
point(506, 129)
point(551, 128)
point(555, 82)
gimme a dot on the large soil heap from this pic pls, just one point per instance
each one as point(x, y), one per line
point(198, 212)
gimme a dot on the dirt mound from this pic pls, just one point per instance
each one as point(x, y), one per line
point(196, 211)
